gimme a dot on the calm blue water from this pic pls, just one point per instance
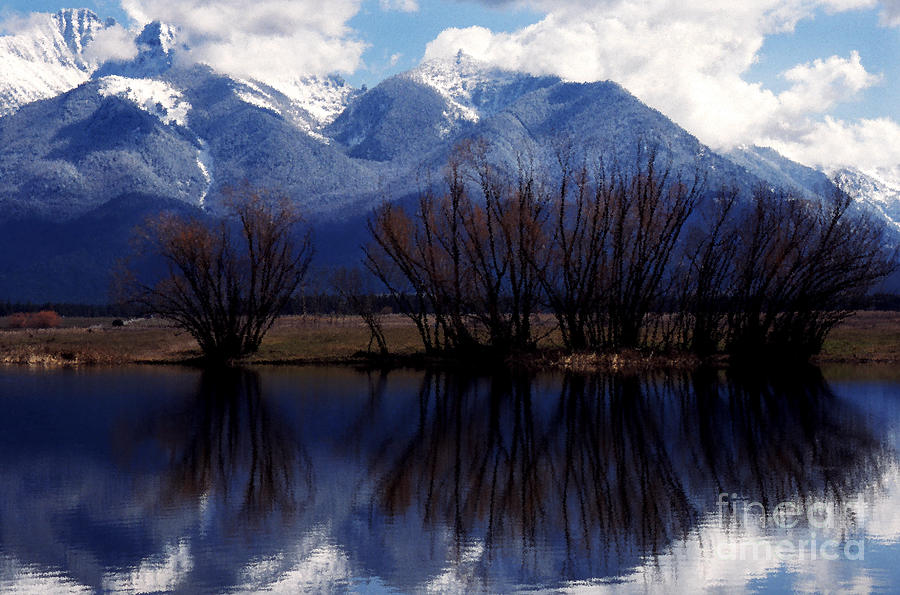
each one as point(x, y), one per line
point(287, 479)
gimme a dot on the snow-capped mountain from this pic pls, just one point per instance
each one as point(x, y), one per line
point(153, 96)
point(156, 46)
point(473, 90)
point(47, 57)
point(114, 142)
point(779, 171)
point(880, 190)
point(310, 102)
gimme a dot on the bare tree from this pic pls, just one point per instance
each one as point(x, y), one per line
point(504, 239)
point(579, 229)
point(706, 274)
point(399, 257)
point(360, 299)
point(463, 268)
point(799, 266)
point(614, 234)
point(649, 209)
point(226, 282)
point(612, 254)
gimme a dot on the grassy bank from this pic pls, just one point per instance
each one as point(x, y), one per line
point(293, 339)
point(868, 337)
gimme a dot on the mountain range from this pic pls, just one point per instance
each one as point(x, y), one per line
point(88, 150)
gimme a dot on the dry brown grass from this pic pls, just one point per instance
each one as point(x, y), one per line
point(83, 341)
point(866, 337)
point(95, 341)
point(330, 338)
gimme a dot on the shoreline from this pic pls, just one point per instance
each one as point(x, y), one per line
point(869, 337)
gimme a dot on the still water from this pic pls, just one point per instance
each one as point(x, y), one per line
point(324, 479)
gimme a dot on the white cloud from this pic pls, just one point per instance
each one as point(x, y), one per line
point(867, 144)
point(12, 23)
point(400, 5)
point(687, 60)
point(112, 43)
point(264, 39)
point(819, 86)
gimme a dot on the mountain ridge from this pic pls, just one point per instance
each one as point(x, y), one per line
point(47, 58)
point(164, 134)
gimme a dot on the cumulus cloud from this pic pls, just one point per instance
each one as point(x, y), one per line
point(688, 60)
point(867, 144)
point(263, 39)
point(112, 43)
point(400, 5)
point(819, 86)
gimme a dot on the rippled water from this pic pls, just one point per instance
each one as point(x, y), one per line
point(159, 479)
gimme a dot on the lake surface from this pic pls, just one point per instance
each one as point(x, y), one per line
point(324, 479)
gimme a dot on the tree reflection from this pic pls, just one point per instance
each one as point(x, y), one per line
point(435, 480)
point(227, 445)
point(617, 467)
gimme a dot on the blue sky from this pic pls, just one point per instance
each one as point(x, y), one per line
point(819, 80)
point(840, 34)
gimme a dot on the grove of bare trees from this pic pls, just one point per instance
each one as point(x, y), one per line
point(592, 256)
point(636, 257)
point(465, 269)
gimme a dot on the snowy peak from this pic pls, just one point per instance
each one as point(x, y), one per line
point(767, 164)
point(156, 45)
point(474, 89)
point(157, 37)
point(324, 98)
point(78, 27)
point(880, 190)
point(153, 96)
point(46, 57)
point(311, 102)
point(54, 38)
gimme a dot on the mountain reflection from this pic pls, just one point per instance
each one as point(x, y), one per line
point(617, 467)
point(322, 479)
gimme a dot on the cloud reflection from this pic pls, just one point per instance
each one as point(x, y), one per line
point(619, 468)
point(314, 479)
